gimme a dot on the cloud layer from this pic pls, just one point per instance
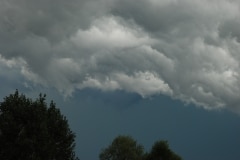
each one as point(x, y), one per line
point(185, 49)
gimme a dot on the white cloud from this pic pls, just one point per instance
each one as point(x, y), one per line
point(107, 33)
point(12, 63)
point(144, 83)
point(185, 49)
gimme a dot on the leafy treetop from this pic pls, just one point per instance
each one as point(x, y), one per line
point(33, 130)
point(126, 148)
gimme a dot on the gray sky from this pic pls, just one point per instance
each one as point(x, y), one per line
point(184, 50)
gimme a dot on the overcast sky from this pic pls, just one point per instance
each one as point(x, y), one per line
point(119, 63)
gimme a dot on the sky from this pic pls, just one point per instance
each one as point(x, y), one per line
point(151, 69)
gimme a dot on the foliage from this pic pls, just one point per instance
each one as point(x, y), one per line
point(126, 148)
point(161, 151)
point(122, 148)
point(32, 130)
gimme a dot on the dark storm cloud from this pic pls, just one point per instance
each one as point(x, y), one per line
point(185, 49)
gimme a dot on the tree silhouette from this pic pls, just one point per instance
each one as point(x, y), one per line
point(122, 148)
point(161, 151)
point(32, 130)
point(126, 148)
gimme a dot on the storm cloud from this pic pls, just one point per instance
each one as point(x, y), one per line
point(186, 49)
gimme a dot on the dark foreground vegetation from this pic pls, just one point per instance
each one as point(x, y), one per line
point(126, 148)
point(33, 130)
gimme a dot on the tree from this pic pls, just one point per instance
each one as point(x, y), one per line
point(126, 148)
point(161, 151)
point(122, 148)
point(32, 130)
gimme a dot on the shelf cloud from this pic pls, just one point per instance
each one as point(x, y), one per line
point(185, 49)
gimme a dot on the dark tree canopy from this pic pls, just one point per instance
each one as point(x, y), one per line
point(161, 151)
point(126, 148)
point(122, 148)
point(32, 130)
